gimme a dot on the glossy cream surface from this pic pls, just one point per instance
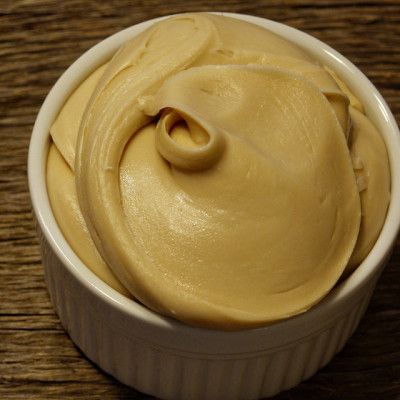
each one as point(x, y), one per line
point(215, 172)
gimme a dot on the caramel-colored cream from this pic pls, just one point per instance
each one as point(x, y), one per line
point(217, 173)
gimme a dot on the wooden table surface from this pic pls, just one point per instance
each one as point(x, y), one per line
point(38, 41)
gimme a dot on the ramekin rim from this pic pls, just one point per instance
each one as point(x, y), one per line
point(339, 294)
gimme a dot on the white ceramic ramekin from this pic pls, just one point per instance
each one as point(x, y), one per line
point(170, 360)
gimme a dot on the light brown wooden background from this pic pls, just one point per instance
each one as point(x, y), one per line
point(38, 40)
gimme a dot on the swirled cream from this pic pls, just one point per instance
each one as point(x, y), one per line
point(217, 173)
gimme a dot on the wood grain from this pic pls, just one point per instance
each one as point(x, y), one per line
point(38, 41)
